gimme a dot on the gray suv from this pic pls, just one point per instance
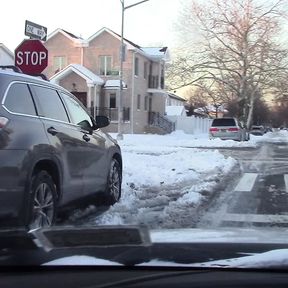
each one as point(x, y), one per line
point(52, 152)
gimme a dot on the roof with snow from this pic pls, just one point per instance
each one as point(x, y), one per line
point(174, 96)
point(8, 51)
point(114, 84)
point(89, 76)
point(155, 51)
point(78, 40)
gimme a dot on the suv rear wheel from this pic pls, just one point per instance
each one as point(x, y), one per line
point(43, 201)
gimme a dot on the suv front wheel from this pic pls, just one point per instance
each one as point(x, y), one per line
point(113, 189)
point(43, 201)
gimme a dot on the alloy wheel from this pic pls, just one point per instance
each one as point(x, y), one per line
point(115, 181)
point(43, 206)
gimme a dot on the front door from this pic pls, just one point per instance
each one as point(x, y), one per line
point(93, 159)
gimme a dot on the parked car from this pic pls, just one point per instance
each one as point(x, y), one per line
point(52, 152)
point(228, 129)
point(257, 130)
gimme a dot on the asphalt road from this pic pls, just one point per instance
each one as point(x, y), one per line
point(260, 196)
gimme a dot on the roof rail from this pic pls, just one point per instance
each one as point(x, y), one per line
point(44, 77)
point(18, 70)
point(11, 67)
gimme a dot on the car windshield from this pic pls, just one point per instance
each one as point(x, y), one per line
point(139, 147)
point(223, 122)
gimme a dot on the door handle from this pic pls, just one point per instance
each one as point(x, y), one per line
point(86, 138)
point(52, 131)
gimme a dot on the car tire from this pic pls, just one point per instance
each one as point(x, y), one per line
point(43, 195)
point(113, 189)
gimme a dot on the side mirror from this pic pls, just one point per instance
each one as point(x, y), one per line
point(101, 121)
point(86, 126)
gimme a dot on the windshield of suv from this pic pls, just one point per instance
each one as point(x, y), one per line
point(157, 186)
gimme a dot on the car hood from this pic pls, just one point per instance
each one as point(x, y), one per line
point(241, 248)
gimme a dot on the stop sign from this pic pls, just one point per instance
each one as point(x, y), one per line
point(31, 56)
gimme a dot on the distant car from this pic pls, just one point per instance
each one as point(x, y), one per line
point(257, 130)
point(228, 129)
point(52, 152)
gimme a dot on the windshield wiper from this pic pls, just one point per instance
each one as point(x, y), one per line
point(128, 245)
point(60, 237)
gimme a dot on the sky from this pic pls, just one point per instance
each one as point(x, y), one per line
point(147, 24)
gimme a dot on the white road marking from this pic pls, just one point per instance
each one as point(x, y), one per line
point(254, 218)
point(246, 183)
point(282, 147)
point(273, 161)
point(286, 181)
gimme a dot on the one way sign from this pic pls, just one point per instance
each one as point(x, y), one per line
point(35, 31)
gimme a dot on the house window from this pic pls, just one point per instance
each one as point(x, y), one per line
point(136, 66)
point(146, 103)
point(138, 102)
point(59, 62)
point(112, 103)
point(145, 70)
point(105, 64)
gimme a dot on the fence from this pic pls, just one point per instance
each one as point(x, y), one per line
point(192, 124)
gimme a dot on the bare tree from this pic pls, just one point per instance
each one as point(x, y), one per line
point(237, 56)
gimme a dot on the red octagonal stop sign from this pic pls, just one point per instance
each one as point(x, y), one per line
point(31, 56)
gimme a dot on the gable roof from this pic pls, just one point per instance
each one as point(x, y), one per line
point(114, 34)
point(174, 96)
point(82, 71)
point(70, 36)
point(154, 53)
point(8, 51)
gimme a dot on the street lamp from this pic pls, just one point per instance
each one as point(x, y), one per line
point(120, 110)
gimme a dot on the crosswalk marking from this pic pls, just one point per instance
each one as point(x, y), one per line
point(273, 161)
point(286, 181)
point(252, 218)
point(247, 182)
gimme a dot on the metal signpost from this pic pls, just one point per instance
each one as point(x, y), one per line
point(31, 56)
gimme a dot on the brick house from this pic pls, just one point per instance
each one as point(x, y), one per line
point(90, 70)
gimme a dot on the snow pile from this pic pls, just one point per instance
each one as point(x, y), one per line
point(274, 259)
point(181, 139)
point(271, 259)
